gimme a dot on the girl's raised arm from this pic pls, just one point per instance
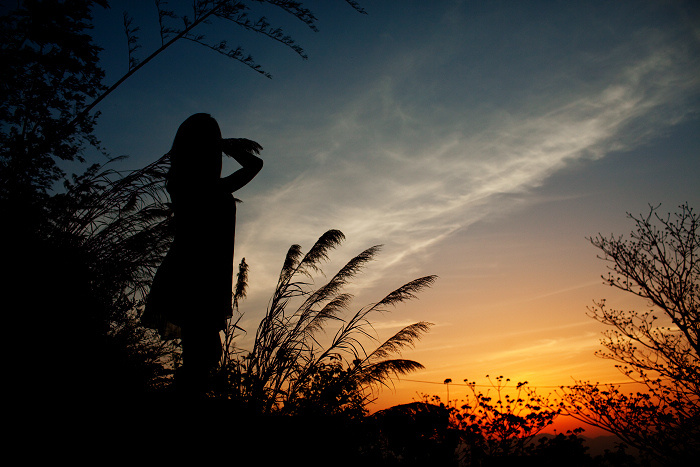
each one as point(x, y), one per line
point(244, 152)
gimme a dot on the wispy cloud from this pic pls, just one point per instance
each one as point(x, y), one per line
point(386, 170)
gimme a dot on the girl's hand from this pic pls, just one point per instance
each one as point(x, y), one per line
point(231, 145)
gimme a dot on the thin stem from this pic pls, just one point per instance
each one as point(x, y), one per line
point(179, 36)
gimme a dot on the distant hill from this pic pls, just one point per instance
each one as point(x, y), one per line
point(596, 445)
point(599, 444)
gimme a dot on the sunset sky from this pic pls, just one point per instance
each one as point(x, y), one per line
point(482, 141)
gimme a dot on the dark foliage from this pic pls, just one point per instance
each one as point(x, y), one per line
point(50, 70)
point(412, 434)
point(76, 288)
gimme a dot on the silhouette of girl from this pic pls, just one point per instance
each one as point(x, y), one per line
point(190, 297)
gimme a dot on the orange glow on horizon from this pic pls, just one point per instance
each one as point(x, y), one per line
point(402, 395)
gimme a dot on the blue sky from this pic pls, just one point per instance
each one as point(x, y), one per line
point(480, 141)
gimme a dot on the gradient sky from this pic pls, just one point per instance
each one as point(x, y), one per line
point(481, 141)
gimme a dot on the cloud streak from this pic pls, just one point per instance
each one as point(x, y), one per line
point(389, 172)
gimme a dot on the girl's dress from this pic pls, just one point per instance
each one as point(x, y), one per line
point(193, 284)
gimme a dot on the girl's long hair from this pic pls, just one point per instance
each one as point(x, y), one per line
point(195, 157)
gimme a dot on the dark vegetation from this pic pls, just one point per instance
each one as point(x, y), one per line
point(80, 261)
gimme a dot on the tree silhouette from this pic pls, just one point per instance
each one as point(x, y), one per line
point(659, 263)
point(50, 70)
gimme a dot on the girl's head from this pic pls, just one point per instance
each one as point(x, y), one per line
point(196, 151)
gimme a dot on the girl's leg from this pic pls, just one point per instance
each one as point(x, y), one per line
point(201, 351)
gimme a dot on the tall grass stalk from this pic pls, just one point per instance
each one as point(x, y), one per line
point(288, 355)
